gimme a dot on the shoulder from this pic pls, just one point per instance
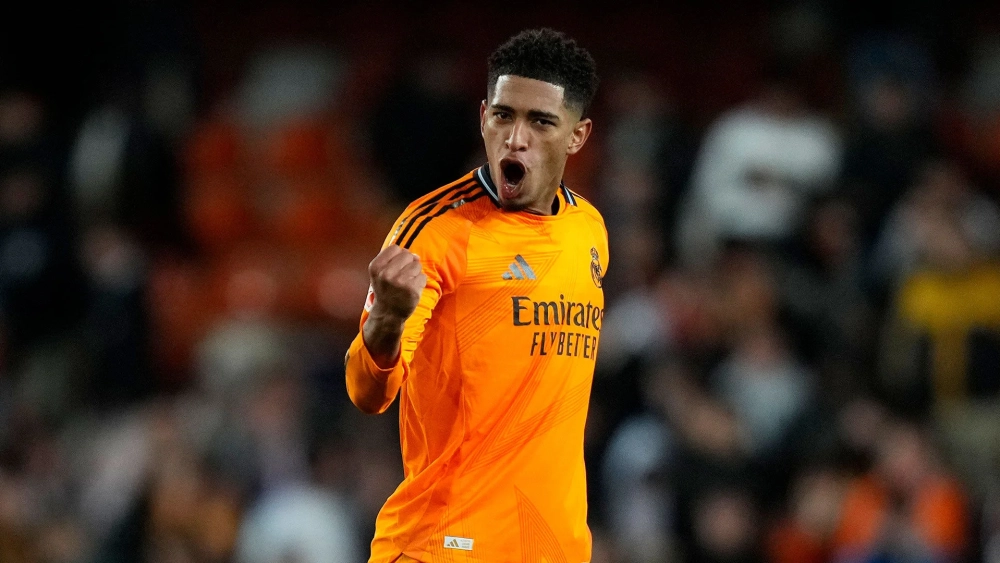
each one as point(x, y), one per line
point(441, 195)
point(436, 218)
point(584, 206)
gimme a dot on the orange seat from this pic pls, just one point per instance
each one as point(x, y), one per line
point(214, 147)
point(299, 149)
point(308, 216)
point(218, 212)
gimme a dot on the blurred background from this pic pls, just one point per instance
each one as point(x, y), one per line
point(801, 359)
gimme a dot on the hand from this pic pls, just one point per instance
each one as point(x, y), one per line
point(397, 280)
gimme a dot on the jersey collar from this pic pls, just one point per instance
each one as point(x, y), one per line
point(483, 175)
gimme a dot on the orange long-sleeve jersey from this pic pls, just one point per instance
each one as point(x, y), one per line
point(494, 379)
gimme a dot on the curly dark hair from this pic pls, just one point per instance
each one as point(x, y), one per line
point(547, 55)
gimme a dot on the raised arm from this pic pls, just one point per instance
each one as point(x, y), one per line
point(375, 364)
point(403, 298)
point(397, 281)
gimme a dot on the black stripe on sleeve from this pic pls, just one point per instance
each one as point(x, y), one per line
point(426, 208)
point(439, 212)
point(445, 192)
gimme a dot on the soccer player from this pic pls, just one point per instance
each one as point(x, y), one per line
point(484, 314)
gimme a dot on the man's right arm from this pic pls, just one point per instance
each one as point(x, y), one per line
point(378, 361)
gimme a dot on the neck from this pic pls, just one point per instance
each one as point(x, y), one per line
point(551, 208)
point(549, 205)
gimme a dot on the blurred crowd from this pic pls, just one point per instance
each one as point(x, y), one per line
point(801, 358)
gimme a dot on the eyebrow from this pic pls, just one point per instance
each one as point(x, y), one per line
point(532, 113)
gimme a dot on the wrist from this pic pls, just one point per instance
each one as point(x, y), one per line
point(387, 321)
point(382, 334)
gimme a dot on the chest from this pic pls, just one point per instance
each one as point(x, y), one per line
point(528, 288)
point(551, 261)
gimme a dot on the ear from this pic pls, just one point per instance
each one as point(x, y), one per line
point(482, 119)
point(581, 131)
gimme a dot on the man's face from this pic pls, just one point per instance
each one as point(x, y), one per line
point(529, 132)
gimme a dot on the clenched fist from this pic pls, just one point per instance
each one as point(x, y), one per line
point(397, 280)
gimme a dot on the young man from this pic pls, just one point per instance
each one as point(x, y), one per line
point(484, 313)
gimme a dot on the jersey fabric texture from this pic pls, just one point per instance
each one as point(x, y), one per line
point(494, 379)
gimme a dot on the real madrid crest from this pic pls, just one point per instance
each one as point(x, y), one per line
point(596, 271)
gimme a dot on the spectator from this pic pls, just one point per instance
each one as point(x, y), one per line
point(766, 387)
point(640, 506)
point(941, 193)
point(300, 523)
point(804, 533)
point(945, 307)
point(726, 528)
point(907, 508)
point(831, 318)
point(712, 463)
point(891, 81)
point(648, 161)
point(757, 169)
point(942, 338)
point(118, 345)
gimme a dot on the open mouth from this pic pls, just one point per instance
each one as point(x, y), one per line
point(512, 173)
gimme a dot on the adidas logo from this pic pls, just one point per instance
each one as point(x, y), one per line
point(519, 270)
point(452, 542)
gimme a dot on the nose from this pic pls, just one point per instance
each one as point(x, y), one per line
point(517, 139)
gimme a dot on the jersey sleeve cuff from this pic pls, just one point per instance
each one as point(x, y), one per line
point(358, 352)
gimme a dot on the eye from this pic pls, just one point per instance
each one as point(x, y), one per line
point(501, 115)
point(545, 122)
